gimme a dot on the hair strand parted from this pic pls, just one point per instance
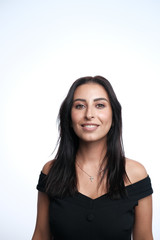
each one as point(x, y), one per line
point(61, 179)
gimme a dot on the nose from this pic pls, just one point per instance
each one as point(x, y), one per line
point(89, 113)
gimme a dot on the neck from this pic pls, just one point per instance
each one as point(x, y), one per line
point(91, 153)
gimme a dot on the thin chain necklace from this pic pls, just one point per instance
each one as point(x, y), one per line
point(90, 177)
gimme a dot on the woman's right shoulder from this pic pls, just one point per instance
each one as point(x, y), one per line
point(46, 168)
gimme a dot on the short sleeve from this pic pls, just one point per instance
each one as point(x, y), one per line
point(140, 189)
point(42, 182)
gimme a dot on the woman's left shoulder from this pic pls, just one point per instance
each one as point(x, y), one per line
point(135, 170)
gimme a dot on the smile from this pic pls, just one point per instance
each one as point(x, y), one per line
point(90, 126)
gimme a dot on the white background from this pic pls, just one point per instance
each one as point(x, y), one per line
point(44, 47)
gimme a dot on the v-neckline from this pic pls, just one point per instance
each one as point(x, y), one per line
point(89, 198)
point(85, 197)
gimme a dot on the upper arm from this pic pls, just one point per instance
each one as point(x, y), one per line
point(42, 229)
point(142, 229)
point(143, 220)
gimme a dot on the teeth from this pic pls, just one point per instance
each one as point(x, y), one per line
point(89, 126)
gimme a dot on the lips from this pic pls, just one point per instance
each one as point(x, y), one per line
point(90, 127)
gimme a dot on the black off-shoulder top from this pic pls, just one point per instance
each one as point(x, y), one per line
point(79, 217)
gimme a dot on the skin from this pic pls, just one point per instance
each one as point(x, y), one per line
point(92, 107)
point(91, 113)
point(42, 230)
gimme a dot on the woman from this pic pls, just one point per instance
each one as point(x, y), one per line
point(90, 190)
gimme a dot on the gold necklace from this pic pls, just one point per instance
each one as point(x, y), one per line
point(90, 177)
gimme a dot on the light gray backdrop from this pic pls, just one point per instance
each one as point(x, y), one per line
point(44, 47)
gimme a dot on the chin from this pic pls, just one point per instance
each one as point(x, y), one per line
point(91, 140)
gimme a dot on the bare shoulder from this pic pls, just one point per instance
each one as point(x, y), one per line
point(47, 167)
point(135, 170)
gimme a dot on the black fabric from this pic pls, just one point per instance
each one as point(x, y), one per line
point(82, 218)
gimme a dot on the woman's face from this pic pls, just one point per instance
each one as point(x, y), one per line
point(91, 112)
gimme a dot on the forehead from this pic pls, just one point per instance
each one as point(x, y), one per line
point(90, 90)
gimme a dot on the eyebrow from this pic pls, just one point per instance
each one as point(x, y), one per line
point(96, 99)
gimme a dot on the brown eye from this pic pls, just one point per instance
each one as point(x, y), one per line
point(79, 106)
point(100, 105)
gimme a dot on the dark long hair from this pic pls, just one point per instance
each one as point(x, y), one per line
point(61, 179)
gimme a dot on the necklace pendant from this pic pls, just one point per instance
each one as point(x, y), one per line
point(91, 178)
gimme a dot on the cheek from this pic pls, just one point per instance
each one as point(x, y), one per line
point(72, 116)
point(75, 117)
point(74, 121)
point(106, 117)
